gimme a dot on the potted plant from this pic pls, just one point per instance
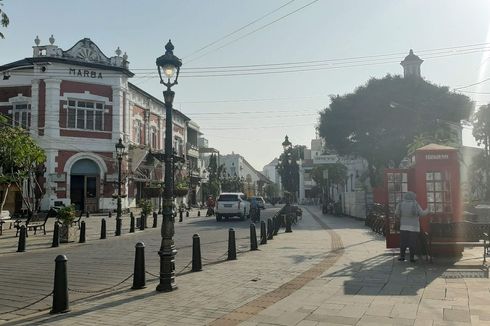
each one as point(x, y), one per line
point(181, 189)
point(66, 217)
point(146, 207)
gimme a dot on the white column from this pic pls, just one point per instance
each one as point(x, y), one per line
point(127, 118)
point(117, 112)
point(52, 114)
point(34, 108)
point(50, 195)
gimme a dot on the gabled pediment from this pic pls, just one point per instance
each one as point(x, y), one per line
point(87, 51)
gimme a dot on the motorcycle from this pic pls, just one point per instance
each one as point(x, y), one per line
point(255, 214)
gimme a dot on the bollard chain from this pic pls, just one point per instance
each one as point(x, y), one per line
point(30, 304)
point(101, 290)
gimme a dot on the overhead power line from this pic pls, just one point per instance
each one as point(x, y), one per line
point(256, 30)
point(238, 29)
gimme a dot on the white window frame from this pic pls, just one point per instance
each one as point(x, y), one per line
point(73, 104)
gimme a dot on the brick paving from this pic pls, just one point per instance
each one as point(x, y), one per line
point(329, 271)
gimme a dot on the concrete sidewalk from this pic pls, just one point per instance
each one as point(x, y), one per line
point(329, 271)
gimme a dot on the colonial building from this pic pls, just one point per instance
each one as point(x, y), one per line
point(77, 104)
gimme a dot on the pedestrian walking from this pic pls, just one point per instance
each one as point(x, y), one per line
point(409, 212)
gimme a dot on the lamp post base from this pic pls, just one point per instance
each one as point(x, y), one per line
point(167, 270)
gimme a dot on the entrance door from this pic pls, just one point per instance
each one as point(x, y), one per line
point(84, 177)
point(83, 193)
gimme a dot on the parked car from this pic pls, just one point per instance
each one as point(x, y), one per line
point(260, 200)
point(231, 204)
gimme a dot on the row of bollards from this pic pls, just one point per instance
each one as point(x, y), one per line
point(60, 290)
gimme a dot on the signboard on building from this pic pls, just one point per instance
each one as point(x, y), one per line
point(325, 159)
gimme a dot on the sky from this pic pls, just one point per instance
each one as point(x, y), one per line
point(256, 70)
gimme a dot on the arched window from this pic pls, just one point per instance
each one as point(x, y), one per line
point(154, 137)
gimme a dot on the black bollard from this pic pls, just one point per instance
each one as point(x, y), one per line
point(60, 290)
point(131, 223)
point(263, 234)
point(56, 235)
point(118, 226)
point(22, 239)
point(196, 253)
point(253, 237)
point(82, 232)
point(181, 213)
point(139, 280)
point(270, 232)
point(87, 215)
point(103, 229)
point(142, 222)
point(155, 219)
point(288, 224)
point(110, 214)
point(198, 213)
point(186, 213)
point(275, 223)
point(231, 245)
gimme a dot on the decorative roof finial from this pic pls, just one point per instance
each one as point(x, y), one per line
point(125, 57)
point(118, 51)
point(51, 39)
point(37, 41)
point(169, 48)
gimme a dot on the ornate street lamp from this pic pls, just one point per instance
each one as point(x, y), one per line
point(286, 144)
point(119, 155)
point(168, 70)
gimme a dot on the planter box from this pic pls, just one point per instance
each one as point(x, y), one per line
point(67, 233)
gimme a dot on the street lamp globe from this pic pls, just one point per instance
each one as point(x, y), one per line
point(120, 148)
point(168, 66)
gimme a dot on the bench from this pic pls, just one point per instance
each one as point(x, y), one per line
point(460, 234)
point(4, 218)
point(35, 221)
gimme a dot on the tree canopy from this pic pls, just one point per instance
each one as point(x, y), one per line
point(288, 168)
point(380, 119)
point(19, 157)
point(480, 168)
point(4, 19)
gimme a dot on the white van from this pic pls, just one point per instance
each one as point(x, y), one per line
point(231, 204)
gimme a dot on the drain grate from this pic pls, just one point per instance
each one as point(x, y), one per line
point(466, 273)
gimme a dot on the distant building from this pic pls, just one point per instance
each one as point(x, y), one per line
point(237, 166)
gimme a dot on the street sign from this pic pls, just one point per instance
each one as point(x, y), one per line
point(325, 159)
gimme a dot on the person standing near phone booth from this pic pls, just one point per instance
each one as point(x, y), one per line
point(434, 176)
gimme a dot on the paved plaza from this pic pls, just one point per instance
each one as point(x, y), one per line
point(329, 271)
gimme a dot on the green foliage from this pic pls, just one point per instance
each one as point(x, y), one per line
point(478, 178)
point(288, 168)
point(480, 171)
point(146, 207)
point(337, 174)
point(66, 215)
point(481, 127)
point(271, 190)
point(379, 120)
point(4, 19)
point(231, 184)
point(215, 173)
point(19, 158)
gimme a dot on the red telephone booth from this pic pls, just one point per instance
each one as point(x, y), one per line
point(434, 177)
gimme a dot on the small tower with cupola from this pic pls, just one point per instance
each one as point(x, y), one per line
point(411, 65)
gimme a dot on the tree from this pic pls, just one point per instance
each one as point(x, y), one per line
point(215, 173)
point(271, 190)
point(480, 179)
point(231, 184)
point(4, 19)
point(379, 120)
point(19, 158)
point(288, 168)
